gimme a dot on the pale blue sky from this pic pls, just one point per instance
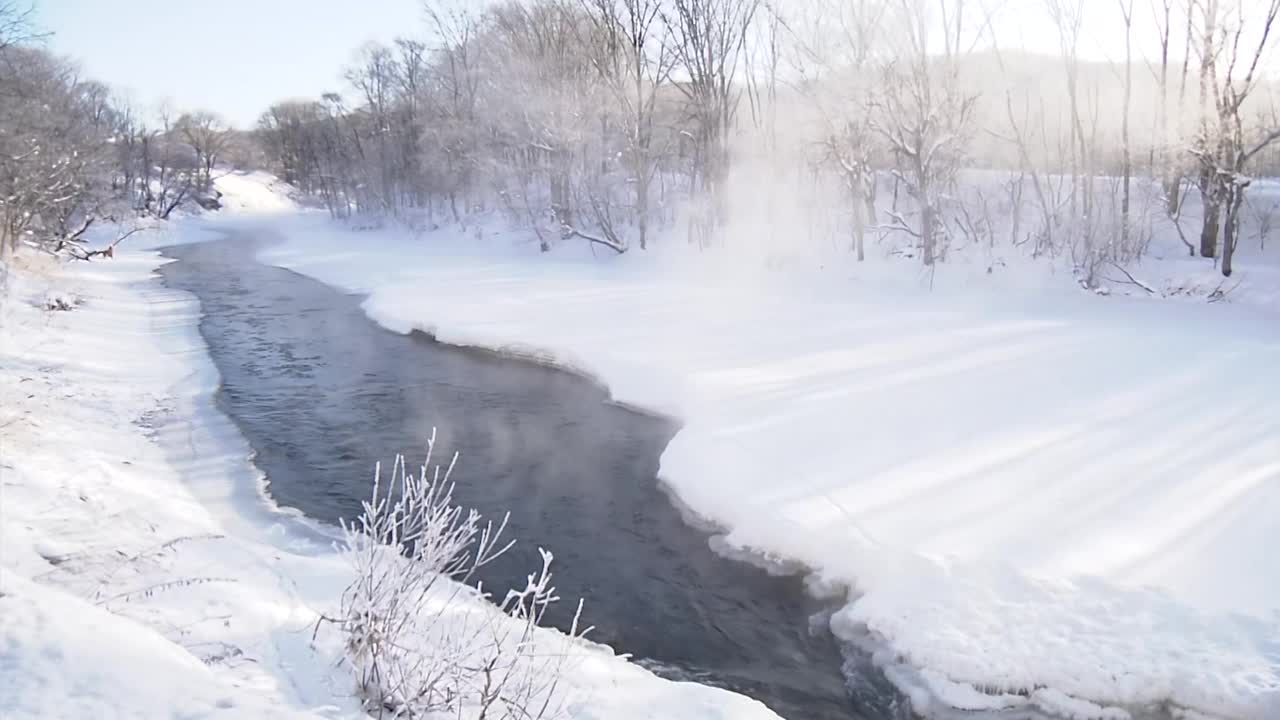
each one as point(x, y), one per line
point(234, 57)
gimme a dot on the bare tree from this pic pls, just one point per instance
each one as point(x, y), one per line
point(924, 115)
point(710, 36)
point(208, 137)
point(835, 61)
point(1204, 150)
point(1168, 154)
point(1126, 162)
point(1229, 74)
point(634, 65)
point(15, 23)
point(54, 159)
point(1068, 17)
point(458, 74)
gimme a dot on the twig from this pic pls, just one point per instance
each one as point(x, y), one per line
point(108, 251)
point(1220, 294)
point(160, 587)
point(568, 231)
point(899, 223)
point(1132, 280)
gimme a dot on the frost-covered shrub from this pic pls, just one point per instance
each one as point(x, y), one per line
point(62, 302)
point(419, 639)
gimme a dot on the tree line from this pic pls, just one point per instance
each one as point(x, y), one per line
point(606, 119)
point(564, 116)
point(616, 121)
point(73, 152)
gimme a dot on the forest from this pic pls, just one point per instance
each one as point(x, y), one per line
point(911, 125)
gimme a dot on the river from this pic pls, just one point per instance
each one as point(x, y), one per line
point(321, 392)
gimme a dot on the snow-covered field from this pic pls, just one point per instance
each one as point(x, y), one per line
point(1066, 500)
point(142, 573)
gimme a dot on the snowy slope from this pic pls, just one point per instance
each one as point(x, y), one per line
point(1066, 494)
point(254, 193)
point(142, 573)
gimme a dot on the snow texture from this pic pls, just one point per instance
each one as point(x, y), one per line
point(1064, 500)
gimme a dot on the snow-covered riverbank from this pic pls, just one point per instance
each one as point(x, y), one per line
point(142, 574)
point(1052, 496)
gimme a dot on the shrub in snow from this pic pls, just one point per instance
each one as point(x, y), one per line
point(419, 639)
point(61, 302)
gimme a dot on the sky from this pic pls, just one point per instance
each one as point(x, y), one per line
point(235, 57)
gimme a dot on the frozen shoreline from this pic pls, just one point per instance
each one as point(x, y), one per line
point(1132, 572)
point(133, 522)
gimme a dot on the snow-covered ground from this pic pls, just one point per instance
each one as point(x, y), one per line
point(142, 573)
point(1066, 500)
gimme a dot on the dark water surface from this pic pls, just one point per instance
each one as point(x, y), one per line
point(321, 392)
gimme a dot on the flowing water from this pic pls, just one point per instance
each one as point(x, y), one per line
point(321, 392)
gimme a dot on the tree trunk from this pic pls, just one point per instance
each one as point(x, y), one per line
point(1124, 205)
point(6, 247)
point(644, 171)
point(642, 210)
point(927, 233)
point(1209, 230)
point(1231, 229)
point(560, 197)
point(869, 197)
point(6, 257)
point(1124, 125)
point(1173, 193)
point(859, 224)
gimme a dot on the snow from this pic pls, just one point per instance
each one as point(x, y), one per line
point(143, 572)
point(100, 664)
point(254, 192)
point(1065, 500)
point(1039, 498)
point(1073, 709)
